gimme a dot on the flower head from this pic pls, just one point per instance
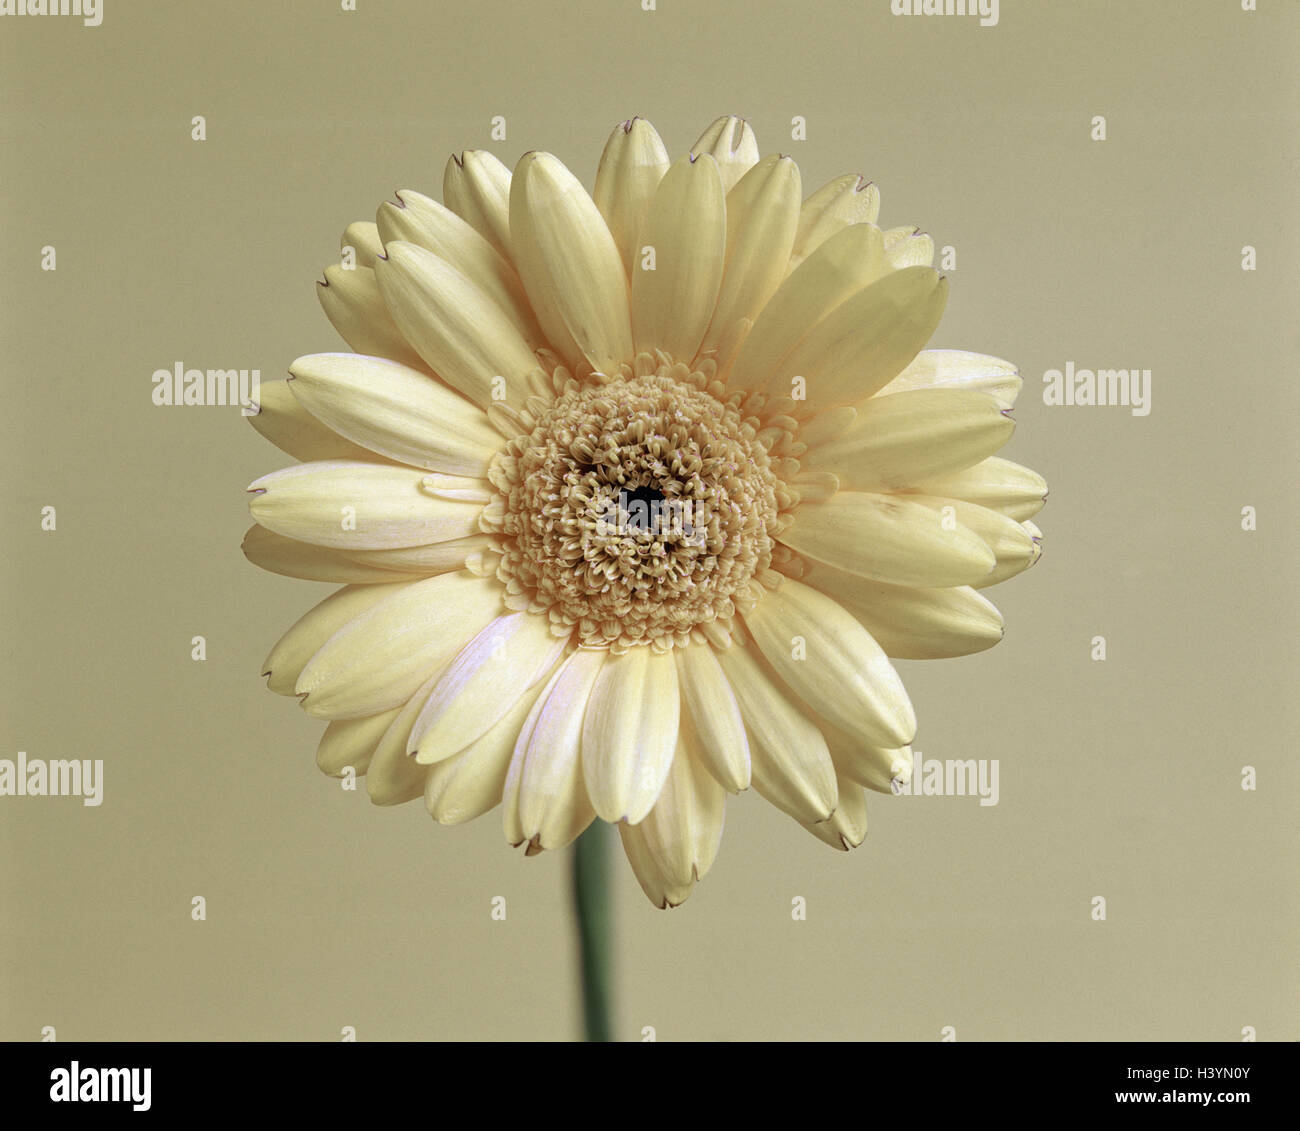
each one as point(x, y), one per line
point(633, 496)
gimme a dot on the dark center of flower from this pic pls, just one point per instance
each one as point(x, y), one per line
point(635, 510)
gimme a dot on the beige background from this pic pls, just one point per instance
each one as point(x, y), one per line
point(1119, 779)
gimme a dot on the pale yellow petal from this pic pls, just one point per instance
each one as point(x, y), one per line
point(832, 663)
point(472, 782)
point(731, 142)
point(354, 306)
point(396, 411)
point(672, 305)
point(418, 220)
point(476, 186)
point(629, 733)
point(463, 336)
point(910, 623)
point(546, 800)
point(827, 426)
point(658, 887)
point(362, 237)
point(569, 264)
point(1016, 564)
point(846, 828)
point(904, 438)
point(684, 829)
point(424, 561)
point(874, 767)
point(790, 764)
point(839, 204)
point(959, 369)
point(908, 247)
point(350, 743)
point(1013, 546)
point(996, 483)
point(889, 538)
point(291, 428)
point(631, 167)
point(291, 558)
point(509, 656)
point(762, 215)
point(711, 722)
point(379, 660)
point(308, 634)
point(848, 261)
point(358, 506)
point(864, 342)
point(394, 777)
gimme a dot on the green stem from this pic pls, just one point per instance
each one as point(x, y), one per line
point(592, 905)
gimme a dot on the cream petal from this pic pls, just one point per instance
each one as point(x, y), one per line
point(848, 261)
point(472, 782)
point(1013, 567)
point(908, 247)
point(354, 306)
point(846, 828)
point(363, 238)
point(864, 342)
point(291, 558)
point(1012, 545)
point(291, 428)
point(790, 765)
point(546, 799)
point(395, 777)
point(995, 483)
point(711, 723)
point(731, 142)
point(358, 506)
point(396, 411)
point(425, 561)
point(831, 662)
point(684, 829)
point(762, 215)
point(308, 634)
point(569, 264)
point(476, 186)
point(959, 369)
point(629, 733)
point(839, 204)
point(1036, 535)
point(903, 438)
point(659, 888)
point(827, 426)
point(874, 767)
point(889, 538)
point(465, 337)
point(418, 220)
point(379, 660)
point(913, 624)
point(687, 226)
point(351, 743)
point(631, 167)
point(482, 684)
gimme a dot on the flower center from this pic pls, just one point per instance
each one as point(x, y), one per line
point(635, 510)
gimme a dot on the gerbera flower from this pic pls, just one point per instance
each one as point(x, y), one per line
point(633, 496)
